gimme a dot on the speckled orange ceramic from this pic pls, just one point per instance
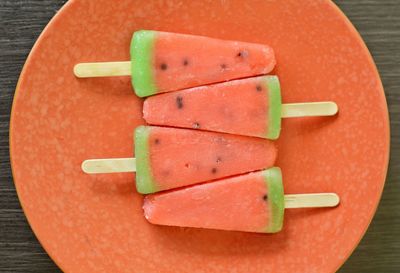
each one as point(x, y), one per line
point(95, 223)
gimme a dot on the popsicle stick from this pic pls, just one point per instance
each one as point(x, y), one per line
point(311, 200)
point(112, 165)
point(109, 69)
point(309, 109)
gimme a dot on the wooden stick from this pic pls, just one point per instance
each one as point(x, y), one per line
point(311, 200)
point(114, 165)
point(309, 109)
point(110, 69)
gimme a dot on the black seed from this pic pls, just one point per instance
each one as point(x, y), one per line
point(218, 159)
point(265, 197)
point(223, 66)
point(242, 54)
point(214, 170)
point(164, 66)
point(185, 62)
point(196, 125)
point(156, 141)
point(179, 102)
point(259, 88)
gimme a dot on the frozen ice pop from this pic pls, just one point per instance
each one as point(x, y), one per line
point(253, 202)
point(168, 158)
point(249, 106)
point(164, 61)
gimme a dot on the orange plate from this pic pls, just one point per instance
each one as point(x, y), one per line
point(95, 223)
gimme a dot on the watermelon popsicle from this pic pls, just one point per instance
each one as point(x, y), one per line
point(253, 202)
point(168, 158)
point(249, 106)
point(163, 61)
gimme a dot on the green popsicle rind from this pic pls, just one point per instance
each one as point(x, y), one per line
point(144, 179)
point(274, 107)
point(142, 69)
point(276, 200)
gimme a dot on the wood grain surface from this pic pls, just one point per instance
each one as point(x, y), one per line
point(378, 21)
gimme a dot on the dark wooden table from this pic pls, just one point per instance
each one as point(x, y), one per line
point(378, 21)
